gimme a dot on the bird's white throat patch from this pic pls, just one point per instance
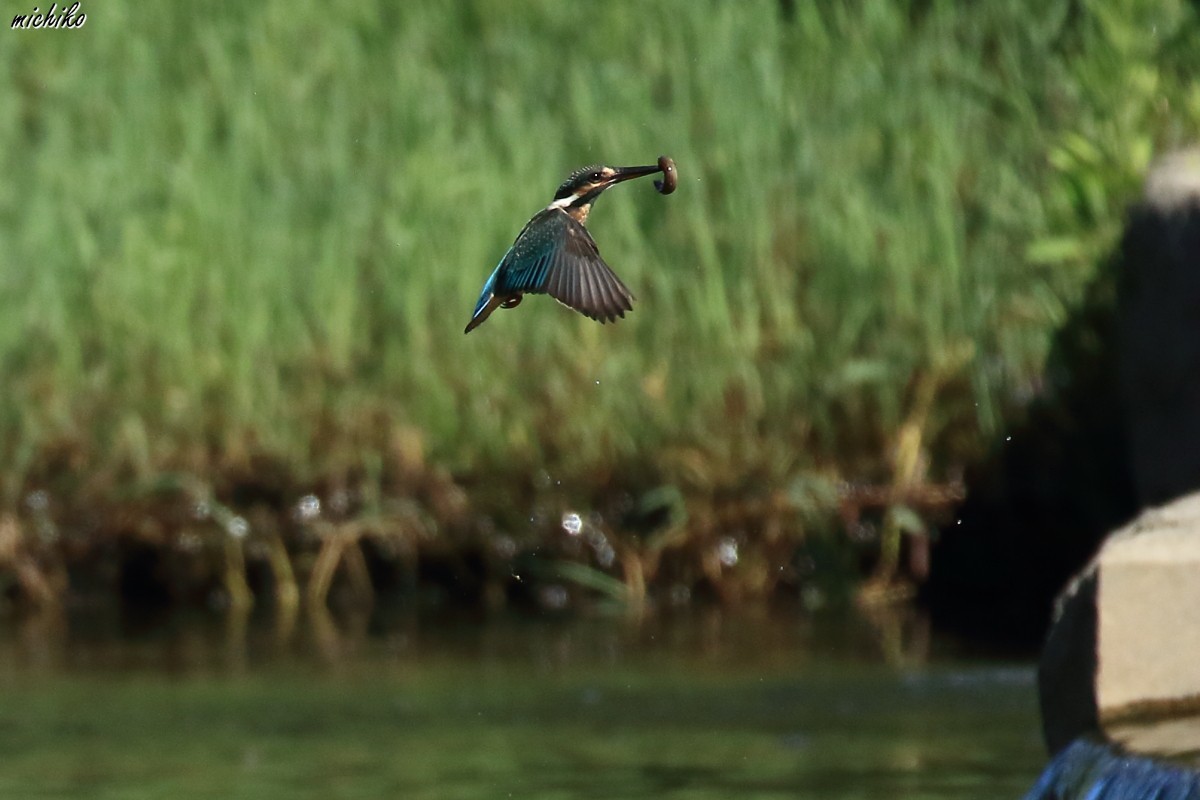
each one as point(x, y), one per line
point(566, 201)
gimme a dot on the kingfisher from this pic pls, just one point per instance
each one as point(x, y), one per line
point(554, 254)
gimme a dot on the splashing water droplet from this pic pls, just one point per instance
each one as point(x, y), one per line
point(339, 501)
point(606, 555)
point(505, 546)
point(38, 500)
point(571, 523)
point(201, 510)
point(554, 597)
point(727, 552)
point(237, 527)
point(189, 542)
point(308, 508)
point(680, 595)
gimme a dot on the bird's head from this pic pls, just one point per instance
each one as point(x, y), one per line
point(585, 185)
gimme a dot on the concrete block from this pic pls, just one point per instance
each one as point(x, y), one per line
point(1125, 643)
point(1149, 612)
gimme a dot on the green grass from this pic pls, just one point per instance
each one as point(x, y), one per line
point(233, 230)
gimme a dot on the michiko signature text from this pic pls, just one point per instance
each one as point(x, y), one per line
point(66, 17)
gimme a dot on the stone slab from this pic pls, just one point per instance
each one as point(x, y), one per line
point(1125, 642)
point(1148, 600)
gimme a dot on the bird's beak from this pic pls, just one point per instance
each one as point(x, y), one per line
point(629, 173)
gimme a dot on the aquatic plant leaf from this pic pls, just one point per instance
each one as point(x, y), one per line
point(591, 578)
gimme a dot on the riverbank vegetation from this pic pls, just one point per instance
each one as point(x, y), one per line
point(240, 243)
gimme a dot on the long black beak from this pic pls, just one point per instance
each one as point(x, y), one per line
point(629, 173)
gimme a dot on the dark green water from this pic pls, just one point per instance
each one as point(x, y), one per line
point(701, 708)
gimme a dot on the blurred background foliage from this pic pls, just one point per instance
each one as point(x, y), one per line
point(241, 240)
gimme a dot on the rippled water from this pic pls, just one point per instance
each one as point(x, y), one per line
point(712, 707)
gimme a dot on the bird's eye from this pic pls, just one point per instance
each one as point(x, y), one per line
point(597, 176)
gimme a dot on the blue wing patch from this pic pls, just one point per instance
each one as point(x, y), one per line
point(555, 255)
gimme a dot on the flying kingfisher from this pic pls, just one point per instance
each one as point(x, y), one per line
point(555, 255)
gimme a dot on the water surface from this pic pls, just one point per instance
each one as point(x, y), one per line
point(712, 707)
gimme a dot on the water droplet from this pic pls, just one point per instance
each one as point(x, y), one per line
point(595, 537)
point(605, 555)
point(307, 508)
point(680, 595)
point(189, 542)
point(554, 597)
point(571, 523)
point(237, 527)
point(727, 551)
point(339, 501)
point(505, 546)
point(38, 500)
point(862, 532)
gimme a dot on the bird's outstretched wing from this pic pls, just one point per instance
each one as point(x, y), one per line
point(554, 254)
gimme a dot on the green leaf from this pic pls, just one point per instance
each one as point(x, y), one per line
point(591, 578)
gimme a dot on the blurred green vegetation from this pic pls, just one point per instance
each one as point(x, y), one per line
point(248, 234)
